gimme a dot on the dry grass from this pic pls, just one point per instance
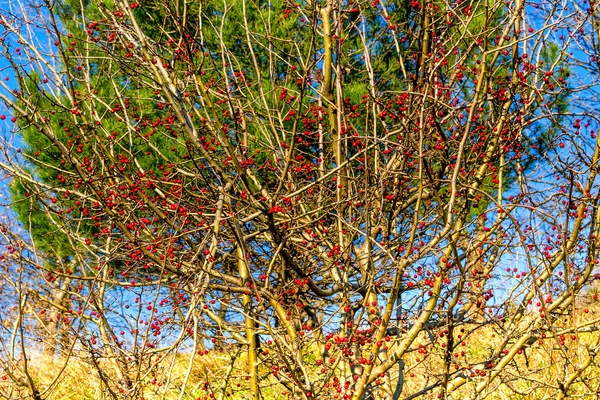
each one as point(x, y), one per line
point(537, 373)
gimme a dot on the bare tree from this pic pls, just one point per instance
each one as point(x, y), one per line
point(348, 199)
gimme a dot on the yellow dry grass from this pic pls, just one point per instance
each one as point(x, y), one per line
point(538, 372)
